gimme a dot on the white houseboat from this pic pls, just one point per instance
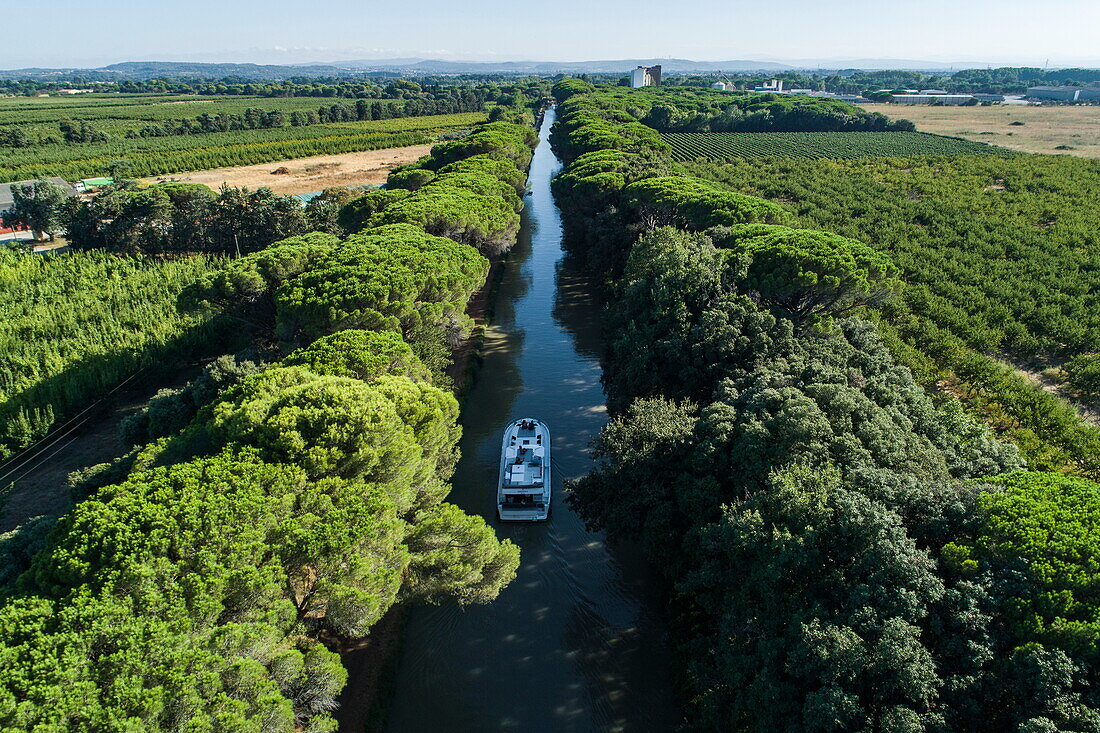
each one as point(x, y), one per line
point(523, 491)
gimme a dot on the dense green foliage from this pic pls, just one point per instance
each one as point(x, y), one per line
point(467, 190)
point(170, 410)
point(488, 221)
point(221, 568)
point(999, 255)
point(720, 147)
point(830, 565)
point(123, 115)
point(266, 505)
point(91, 135)
point(580, 130)
point(150, 156)
point(1082, 374)
point(1000, 250)
point(1049, 526)
point(393, 277)
point(835, 549)
point(807, 275)
point(73, 327)
point(363, 355)
point(37, 206)
point(691, 109)
point(696, 204)
point(185, 218)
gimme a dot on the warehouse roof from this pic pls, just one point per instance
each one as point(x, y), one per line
point(7, 199)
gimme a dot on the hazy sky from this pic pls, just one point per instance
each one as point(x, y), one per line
point(83, 33)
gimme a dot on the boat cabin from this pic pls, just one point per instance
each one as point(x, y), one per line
point(524, 466)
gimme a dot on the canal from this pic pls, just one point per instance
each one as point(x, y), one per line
point(576, 642)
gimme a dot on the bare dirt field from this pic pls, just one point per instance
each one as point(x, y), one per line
point(305, 175)
point(1044, 129)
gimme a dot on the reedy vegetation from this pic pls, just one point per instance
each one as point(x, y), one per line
point(74, 327)
point(835, 558)
point(278, 502)
point(78, 325)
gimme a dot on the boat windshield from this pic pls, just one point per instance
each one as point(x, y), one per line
point(522, 501)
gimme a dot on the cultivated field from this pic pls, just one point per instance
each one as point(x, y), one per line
point(1044, 129)
point(39, 152)
point(115, 114)
point(305, 175)
point(726, 146)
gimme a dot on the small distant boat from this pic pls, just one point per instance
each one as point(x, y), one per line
point(523, 491)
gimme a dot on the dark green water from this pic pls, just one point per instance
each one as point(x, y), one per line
point(576, 642)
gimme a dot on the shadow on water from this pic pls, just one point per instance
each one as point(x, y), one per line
point(575, 643)
point(578, 310)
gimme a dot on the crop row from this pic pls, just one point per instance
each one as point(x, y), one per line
point(725, 146)
point(153, 108)
point(154, 156)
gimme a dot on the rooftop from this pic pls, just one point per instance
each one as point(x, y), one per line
point(7, 199)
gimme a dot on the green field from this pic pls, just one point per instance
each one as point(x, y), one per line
point(117, 113)
point(73, 327)
point(725, 146)
point(161, 155)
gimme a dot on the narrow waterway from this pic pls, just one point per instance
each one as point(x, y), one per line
point(575, 643)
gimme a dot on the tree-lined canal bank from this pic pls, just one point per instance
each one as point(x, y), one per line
point(576, 642)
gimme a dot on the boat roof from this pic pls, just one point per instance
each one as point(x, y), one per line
point(525, 455)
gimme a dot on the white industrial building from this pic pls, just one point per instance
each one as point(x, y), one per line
point(1065, 94)
point(775, 85)
point(850, 98)
point(645, 76)
point(950, 99)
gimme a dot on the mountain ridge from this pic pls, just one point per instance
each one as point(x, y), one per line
point(143, 70)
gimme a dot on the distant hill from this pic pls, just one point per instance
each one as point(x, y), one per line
point(143, 70)
point(886, 64)
point(434, 66)
point(154, 69)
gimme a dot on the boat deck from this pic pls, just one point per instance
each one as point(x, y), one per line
point(523, 493)
point(525, 459)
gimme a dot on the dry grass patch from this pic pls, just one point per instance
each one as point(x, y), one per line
point(305, 175)
point(1054, 130)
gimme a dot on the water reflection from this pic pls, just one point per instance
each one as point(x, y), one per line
point(573, 644)
point(577, 310)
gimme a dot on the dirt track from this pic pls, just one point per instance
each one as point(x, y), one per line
point(306, 175)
